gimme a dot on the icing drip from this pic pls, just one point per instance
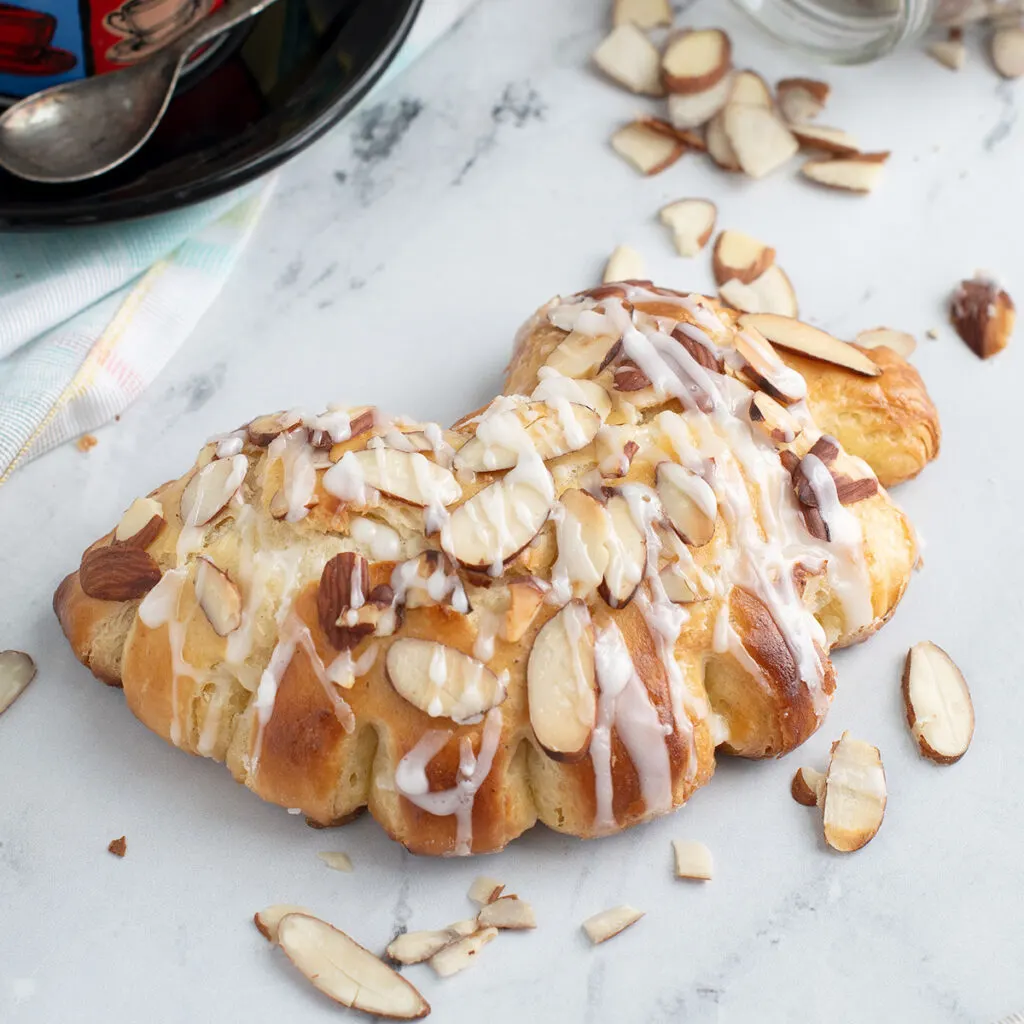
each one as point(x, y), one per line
point(296, 455)
point(382, 542)
point(344, 670)
point(347, 481)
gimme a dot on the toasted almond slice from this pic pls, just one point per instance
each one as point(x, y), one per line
point(141, 524)
point(740, 256)
point(608, 923)
point(829, 140)
point(211, 488)
point(695, 109)
point(582, 533)
point(218, 597)
point(859, 173)
point(761, 141)
point(408, 476)
point(485, 890)
point(900, 342)
point(561, 684)
point(267, 920)
point(17, 670)
point(692, 222)
point(802, 99)
point(264, 429)
point(415, 947)
point(629, 58)
point(983, 315)
point(854, 801)
point(810, 341)
point(689, 503)
point(498, 522)
point(346, 972)
point(766, 370)
point(693, 860)
point(583, 355)
point(750, 87)
point(1008, 51)
point(459, 955)
point(555, 389)
point(642, 13)
point(695, 60)
point(647, 149)
point(441, 681)
point(678, 589)
point(808, 787)
point(627, 554)
point(772, 419)
point(336, 860)
point(525, 597)
point(950, 53)
point(719, 147)
point(772, 292)
point(624, 264)
point(940, 712)
point(508, 912)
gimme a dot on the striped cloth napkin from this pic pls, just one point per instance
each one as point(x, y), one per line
point(89, 317)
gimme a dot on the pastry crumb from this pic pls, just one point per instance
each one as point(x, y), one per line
point(932, 333)
point(86, 441)
point(118, 847)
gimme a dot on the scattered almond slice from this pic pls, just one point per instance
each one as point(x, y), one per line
point(416, 947)
point(695, 60)
point(810, 341)
point(267, 920)
point(336, 860)
point(693, 860)
point(719, 147)
point(17, 670)
point(854, 801)
point(802, 99)
point(650, 151)
point(940, 712)
point(983, 315)
point(739, 256)
point(459, 955)
point(829, 140)
point(692, 222)
point(627, 554)
point(554, 389)
point(695, 109)
point(678, 589)
point(642, 13)
point(485, 890)
point(582, 355)
point(808, 787)
point(900, 342)
point(624, 264)
point(407, 476)
point(525, 598)
point(760, 140)
point(346, 972)
point(218, 597)
point(689, 503)
point(950, 52)
point(772, 419)
point(1007, 50)
point(509, 913)
point(441, 681)
point(765, 370)
point(582, 533)
point(629, 58)
point(211, 488)
point(772, 292)
point(608, 923)
point(750, 87)
point(562, 684)
point(141, 523)
point(859, 173)
point(264, 429)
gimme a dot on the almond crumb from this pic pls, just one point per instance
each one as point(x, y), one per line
point(118, 847)
point(85, 442)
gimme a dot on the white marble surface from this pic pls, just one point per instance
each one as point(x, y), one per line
point(393, 266)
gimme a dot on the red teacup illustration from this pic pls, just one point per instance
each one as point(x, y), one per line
point(147, 24)
point(25, 38)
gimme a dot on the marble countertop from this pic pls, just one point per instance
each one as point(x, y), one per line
point(393, 266)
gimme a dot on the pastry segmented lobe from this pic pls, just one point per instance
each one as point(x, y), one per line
point(556, 609)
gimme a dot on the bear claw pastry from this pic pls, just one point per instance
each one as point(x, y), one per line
point(555, 610)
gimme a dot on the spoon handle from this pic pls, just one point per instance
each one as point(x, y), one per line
point(225, 17)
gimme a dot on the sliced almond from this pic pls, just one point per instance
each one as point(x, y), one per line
point(772, 292)
point(983, 315)
point(693, 110)
point(760, 140)
point(608, 923)
point(459, 955)
point(441, 681)
point(17, 670)
point(1007, 49)
point(678, 589)
point(859, 173)
point(582, 532)
point(950, 53)
point(141, 524)
point(264, 429)
point(750, 87)
point(346, 972)
point(642, 13)
point(854, 801)
point(211, 488)
point(525, 598)
point(416, 947)
point(808, 787)
point(940, 712)
point(629, 58)
point(763, 367)
point(485, 890)
point(117, 573)
point(561, 684)
point(740, 256)
point(772, 419)
point(828, 140)
point(693, 860)
point(810, 341)
point(336, 860)
point(802, 99)
point(582, 355)
point(267, 920)
point(647, 149)
point(498, 522)
point(218, 597)
point(627, 554)
point(900, 342)
point(553, 390)
point(719, 147)
point(508, 912)
point(692, 222)
point(624, 264)
point(689, 503)
point(408, 476)
point(695, 60)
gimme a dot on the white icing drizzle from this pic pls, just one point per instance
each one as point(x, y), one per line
point(296, 455)
point(344, 670)
point(379, 539)
point(488, 624)
point(347, 481)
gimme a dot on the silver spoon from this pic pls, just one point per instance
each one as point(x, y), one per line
point(82, 129)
